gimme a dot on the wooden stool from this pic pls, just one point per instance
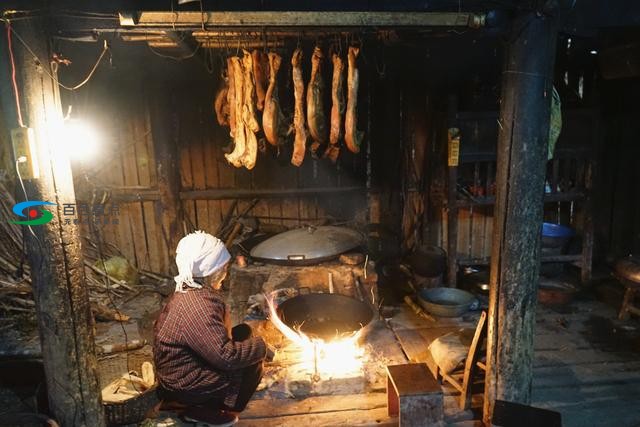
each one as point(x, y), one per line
point(627, 270)
point(414, 395)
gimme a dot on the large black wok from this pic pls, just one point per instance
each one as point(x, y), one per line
point(325, 316)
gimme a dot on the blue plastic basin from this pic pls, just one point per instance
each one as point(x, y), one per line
point(556, 230)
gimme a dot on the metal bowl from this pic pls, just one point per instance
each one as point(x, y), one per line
point(446, 302)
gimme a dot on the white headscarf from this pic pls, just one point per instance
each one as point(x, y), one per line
point(198, 254)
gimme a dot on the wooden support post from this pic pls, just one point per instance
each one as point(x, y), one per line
point(168, 207)
point(527, 81)
point(452, 198)
point(54, 249)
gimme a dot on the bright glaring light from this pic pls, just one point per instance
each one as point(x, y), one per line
point(594, 52)
point(80, 140)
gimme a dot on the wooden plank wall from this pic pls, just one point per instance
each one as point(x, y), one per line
point(126, 159)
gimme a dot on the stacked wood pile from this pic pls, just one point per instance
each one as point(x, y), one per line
point(106, 293)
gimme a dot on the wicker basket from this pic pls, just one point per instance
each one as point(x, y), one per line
point(132, 410)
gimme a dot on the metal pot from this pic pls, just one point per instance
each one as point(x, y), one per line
point(325, 316)
point(428, 261)
point(446, 302)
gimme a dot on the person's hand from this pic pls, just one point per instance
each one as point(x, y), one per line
point(271, 353)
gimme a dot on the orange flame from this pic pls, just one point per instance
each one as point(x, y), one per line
point(341, 357)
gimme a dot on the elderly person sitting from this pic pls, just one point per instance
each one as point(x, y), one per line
point(203, 366)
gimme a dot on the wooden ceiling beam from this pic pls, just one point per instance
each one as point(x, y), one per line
point(203, 20)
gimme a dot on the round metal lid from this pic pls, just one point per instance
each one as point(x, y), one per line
point(307, 245)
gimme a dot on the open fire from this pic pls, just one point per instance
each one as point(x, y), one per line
point(339, 357)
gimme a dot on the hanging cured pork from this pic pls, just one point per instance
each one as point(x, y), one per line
point(221, 105)
point(231, 98)
point(352, 137)
point(300, 140)
point(272, 117)
point(261, 75)
point(238, 127)
point(337, 108)
point(249, 113)
point(315, 106)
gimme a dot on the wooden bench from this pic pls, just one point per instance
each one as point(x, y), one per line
point(414, 396)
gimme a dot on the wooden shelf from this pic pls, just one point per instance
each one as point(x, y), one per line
point(569, 196)
point(572, 165)
point(467, 262)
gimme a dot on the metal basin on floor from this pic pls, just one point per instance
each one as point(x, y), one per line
point(446, 302)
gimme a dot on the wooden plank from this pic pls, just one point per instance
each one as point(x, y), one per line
point(478, 219)
point(117, 234)
point(186, 123)
point(465, 227)
point(356, 418)
point(268, 407)
point(262, 178)
point(124, 240)
point(290, 204)
point(299, 19)
point(145, 164)
point(488, 231)
point(545, 258)
point(133, 211)
point(226, 172)
point(198, 170)
point(416, 341)
point(135, 193)
point(248, 193)
point(290, 210)
point(605, 406)
point(208, 137)
point(261, 209)
point(168, 215)
point(567, 196)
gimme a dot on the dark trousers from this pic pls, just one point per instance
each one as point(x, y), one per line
point(250, 378)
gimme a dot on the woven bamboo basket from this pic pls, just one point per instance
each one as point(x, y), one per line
point(113, 366)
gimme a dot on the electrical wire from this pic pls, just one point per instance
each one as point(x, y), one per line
point(13, 78)
point(52, 75)
point(93, 70)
